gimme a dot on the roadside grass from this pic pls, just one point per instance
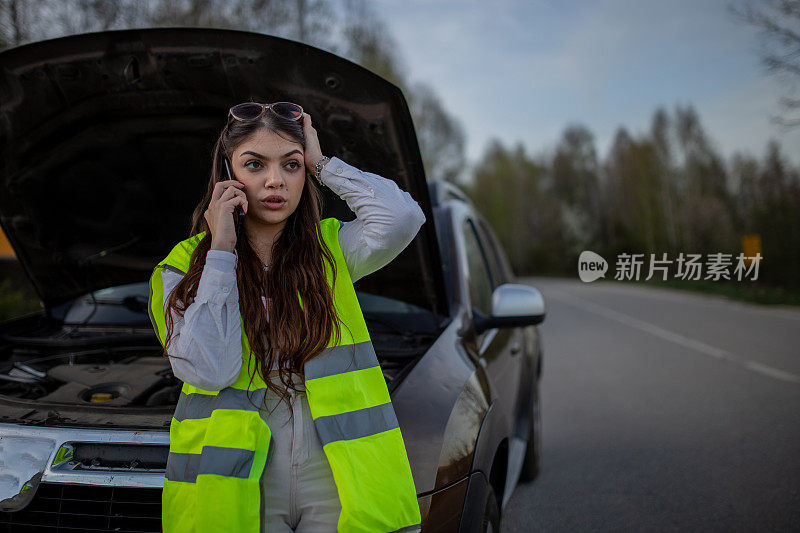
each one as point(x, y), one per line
point(750, 291)
point(742, 291)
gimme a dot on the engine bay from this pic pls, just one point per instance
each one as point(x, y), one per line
point(118, 376)
point(71, 370)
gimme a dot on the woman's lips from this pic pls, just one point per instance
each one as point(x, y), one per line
point(274, 205)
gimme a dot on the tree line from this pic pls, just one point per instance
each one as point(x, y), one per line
point(665, 191)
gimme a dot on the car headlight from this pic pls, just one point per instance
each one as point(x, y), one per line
point(22, 463)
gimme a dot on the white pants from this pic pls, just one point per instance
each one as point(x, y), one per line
point(300, 492)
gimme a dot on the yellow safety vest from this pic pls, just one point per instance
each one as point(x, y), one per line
point(220, 443)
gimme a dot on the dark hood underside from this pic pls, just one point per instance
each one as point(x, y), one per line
point(106, 148)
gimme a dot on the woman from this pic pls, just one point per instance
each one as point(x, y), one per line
point(271, 318)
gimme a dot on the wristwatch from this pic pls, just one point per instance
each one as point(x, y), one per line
point(318, 168)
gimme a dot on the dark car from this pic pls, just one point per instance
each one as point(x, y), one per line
point(106, 141)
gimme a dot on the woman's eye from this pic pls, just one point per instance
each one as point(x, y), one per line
point(295, 164)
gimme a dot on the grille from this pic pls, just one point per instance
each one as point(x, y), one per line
point(65, 508)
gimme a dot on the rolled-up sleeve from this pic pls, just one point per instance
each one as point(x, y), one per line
point(208, 335)
point(387, 218)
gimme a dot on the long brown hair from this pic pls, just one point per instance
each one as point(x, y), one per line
point(292, 335)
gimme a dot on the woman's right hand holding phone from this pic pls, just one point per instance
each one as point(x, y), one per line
point(226, 196)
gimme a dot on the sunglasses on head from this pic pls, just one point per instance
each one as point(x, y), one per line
point(254, 110)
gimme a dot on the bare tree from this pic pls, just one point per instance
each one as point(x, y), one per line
point(779, 25)
point(440, 135)
point(349, 28)
point(368, 42)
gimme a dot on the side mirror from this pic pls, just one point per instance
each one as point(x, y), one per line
point(513, 305)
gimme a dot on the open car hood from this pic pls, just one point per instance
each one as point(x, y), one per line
point(106, 148)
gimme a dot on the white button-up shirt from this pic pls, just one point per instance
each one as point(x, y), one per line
point(208, 335)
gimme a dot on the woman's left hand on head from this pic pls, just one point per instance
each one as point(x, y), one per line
point(313, 152)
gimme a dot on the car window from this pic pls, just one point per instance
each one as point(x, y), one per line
point(496, 270)
point(500, 252)
point(480, 283)
point(444, 235)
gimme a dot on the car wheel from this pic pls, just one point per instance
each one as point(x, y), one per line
point(530, 467)
point(491, 513)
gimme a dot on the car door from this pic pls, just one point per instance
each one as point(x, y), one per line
point(523, 362)
point(494, 346)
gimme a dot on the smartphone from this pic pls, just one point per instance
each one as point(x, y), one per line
point(239, 210)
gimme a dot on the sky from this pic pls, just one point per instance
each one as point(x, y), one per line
point(521, 71)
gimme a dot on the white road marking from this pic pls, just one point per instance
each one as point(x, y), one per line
point(671, 336)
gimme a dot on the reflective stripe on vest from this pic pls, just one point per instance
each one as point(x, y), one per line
point(220, 443)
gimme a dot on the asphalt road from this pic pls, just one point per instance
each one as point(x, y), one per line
point(664, 410)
